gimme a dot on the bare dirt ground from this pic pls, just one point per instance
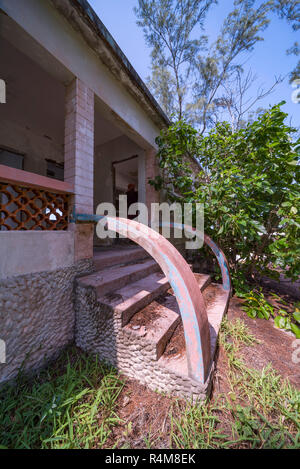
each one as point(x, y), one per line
point(275, 347)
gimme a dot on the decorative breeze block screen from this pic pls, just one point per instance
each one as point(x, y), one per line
point(24, 208)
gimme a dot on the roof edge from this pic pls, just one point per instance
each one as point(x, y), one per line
point(87, 15)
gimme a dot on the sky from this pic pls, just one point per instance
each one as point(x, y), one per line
point(269, 58)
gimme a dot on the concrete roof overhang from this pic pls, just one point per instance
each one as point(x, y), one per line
point(83, 19)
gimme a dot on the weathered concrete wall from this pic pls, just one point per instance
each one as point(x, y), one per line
point(40, 19)
point(23, 252)
point(35, 147)
point(37, 317)
point(32, 120)
point(99, 331)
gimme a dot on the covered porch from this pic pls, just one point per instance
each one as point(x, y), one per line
point(66, 123)
point(62, 148)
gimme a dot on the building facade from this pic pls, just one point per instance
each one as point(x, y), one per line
point(77, 126)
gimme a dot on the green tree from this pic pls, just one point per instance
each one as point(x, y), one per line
point(237, 99)
point(240, 33)
point(250, 187)
point(168, 27)
point(163, 86)
point(290, 11)
point(187, 74)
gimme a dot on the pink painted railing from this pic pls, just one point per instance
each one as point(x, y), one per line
point(181, 279)
point(221, 258)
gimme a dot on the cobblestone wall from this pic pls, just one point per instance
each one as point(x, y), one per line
point(99, 331)
point(37, 317)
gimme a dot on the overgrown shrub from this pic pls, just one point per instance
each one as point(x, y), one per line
point(248, 181)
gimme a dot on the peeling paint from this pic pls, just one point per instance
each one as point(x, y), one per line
point(181, 279)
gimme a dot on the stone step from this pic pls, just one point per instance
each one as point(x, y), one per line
point(174, 357)
point(216, 301)
point(155, 324)
point(108, 257)
point(114, 278)
point(203, 280)
point(135, 296)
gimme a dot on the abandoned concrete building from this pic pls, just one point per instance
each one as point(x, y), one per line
point(78, 126)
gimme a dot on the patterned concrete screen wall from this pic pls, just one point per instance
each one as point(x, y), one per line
point(183, 282)
point(32, 202)
point(25, 208)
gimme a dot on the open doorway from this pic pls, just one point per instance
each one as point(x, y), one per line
point(125, 180)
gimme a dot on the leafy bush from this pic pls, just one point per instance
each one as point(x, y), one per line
point(256, 306)
point(248, 181)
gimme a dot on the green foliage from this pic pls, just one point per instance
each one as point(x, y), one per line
point(180, 139)
point(189, 69)
point(283, 321)
point(289, 10)
point(256, 306)
point(75, 404)
point(70, 405)
point(249, 185)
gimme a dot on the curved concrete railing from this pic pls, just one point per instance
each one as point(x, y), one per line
point(185, 287)
point(182, 280)
point(222, 261)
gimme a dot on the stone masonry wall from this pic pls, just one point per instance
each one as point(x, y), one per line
point(99, 331)
point(37, 317)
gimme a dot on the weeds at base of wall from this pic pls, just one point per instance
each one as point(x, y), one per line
point(78, 402)
point(68, 405)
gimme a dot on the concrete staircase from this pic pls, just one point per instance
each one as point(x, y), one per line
point(127, 314)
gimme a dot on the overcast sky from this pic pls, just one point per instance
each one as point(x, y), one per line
point(269, 58)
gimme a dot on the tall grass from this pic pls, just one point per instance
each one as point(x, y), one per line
point(260, 409)
point(70, 405)
point(75, 402)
